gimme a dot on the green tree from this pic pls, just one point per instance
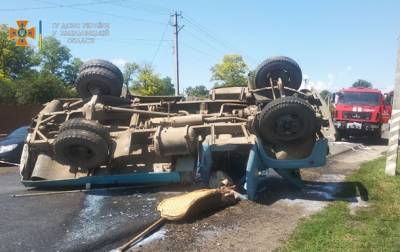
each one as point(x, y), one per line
point(40, 88)
point(150, 83)
point(130, 69)
point(230, 72)
point(54, 56)
point(362, 84)
point(197, 91)
point(325, 93)
point(71, 71)
point(167, 88)
point(14, 60)
point(7, 91)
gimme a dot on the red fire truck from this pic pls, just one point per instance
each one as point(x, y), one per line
point(361, 111)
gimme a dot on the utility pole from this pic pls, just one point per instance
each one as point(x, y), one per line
point(177, 29)
point(393, 144)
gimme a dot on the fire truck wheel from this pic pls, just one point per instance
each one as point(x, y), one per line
point(338, 136)
point(88, 125)
point(80, 148)
point(377, 135)
point(98, 81)
point(287, 120)
point(277, 67)
point(95, 63)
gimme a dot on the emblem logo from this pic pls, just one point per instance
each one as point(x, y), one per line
point(22, 33)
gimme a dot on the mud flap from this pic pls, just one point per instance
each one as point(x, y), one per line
point(47, 169)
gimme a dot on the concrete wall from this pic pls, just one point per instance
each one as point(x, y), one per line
point(14, 116)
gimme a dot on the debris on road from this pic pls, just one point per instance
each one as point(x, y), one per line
point(187, 206)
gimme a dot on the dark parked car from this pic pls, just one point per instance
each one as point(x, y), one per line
point(11, 145)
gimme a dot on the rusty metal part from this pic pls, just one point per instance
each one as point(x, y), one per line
point(53, 106)
point(138, 111)
point(232, 105)
point(178, 121)
point(281, 87)
point(271, 83)
point(170, 141)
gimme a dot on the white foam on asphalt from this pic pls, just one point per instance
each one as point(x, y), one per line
point(158, 235)
point(88, 224)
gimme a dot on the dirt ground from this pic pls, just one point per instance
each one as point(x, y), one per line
point(266, 224)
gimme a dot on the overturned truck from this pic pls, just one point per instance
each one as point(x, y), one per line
point(110, 137)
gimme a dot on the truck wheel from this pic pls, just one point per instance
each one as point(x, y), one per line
point(377, 135)
point(88, 125)
point(80, 148)
point(285, 68)
point(99, 63)
point(287, 120)
point(98, 81)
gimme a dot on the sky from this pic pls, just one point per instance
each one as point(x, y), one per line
point(334, 42)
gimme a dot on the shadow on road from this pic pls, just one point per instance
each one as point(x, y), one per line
point(367, 141)
point(277, 189)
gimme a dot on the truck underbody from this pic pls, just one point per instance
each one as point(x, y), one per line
point(239, 132)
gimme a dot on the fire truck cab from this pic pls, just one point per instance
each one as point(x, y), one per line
point(361, 111)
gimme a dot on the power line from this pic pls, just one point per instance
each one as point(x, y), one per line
point(55, 6)
point(129, 41)
point(204, 31)
point(120, 16)
point(214, 38)
point(199, 51)
point(143, 39)
point(149, 8)
point(105, 13)
point(159, 44)
point(205, 42)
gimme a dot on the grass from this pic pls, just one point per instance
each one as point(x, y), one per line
point(372, 228)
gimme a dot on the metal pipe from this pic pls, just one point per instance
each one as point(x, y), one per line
point(222, 119)
point(144, 112)
point(280, 86)
point(272, 88)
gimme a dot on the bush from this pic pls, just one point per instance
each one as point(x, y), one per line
point(7, 92)
point(40, 88)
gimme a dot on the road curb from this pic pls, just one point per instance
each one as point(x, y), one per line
point(346, 149)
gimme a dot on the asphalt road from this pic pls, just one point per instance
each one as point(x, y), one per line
point(95, 221)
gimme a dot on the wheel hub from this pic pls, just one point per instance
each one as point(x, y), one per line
point(288, 125)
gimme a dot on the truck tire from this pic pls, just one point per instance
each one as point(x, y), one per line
point(99, 63)
point(98, 80)
point(287, 120)
point(377, 135)
point(80, 148)
point(88, 125)
point(285, 68)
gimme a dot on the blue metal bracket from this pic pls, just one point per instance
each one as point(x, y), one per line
point(259, 162)
point(288, 169)
point(109, 180)
point(317, 157)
